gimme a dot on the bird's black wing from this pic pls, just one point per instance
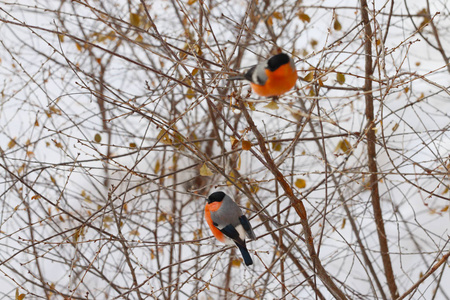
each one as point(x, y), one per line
point(232, 233)
point(247, 227)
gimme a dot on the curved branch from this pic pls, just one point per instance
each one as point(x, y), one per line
point(372, 154)
point(297, 204)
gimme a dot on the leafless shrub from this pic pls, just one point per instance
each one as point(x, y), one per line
point(117, 121)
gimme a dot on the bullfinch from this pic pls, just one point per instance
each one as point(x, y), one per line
point(273, 77)
point(227, 222)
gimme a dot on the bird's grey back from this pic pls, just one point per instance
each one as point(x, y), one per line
point(228, 213)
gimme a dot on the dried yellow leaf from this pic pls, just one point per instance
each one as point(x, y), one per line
point(234, 142)
point(277, 15)
point(139, 38)
point(19, 296)
point(246, 145)
point(53, 109)
point(97, 138)
point(157, 166)
point(205, 171)
point(344, 146)
point(276, 146)
point(163, 136)
point(152, 254)
point(35, 197)
point(77, 234)
point(88, 199)
point(182, 55)
point(108, 219)
point(198, 234)
point(232, 180)
point(170, 219)
point(58, 144)
point(101, 37)
point(395, 127)
point(190, 93)
point(197, 49)
point(238, 167)
point(421, 97)
point(337, 25)
point(304, 17)
point(423, 23)
point(111, 35)
point(309, 77)
point(135, 232)
point(300, 183)
point(254, 188)
point(12, 143)
point(272, 105)
point(236, 262)
point(21, 168)
point(135, 19)
point(340, 78)
point(162, 217)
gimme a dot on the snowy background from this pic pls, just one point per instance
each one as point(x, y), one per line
point(111, 112)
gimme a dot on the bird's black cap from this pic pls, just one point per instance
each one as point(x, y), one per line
point(277, 61)
point(216, 197)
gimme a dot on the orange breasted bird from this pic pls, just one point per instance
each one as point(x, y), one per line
point(273, 77)
point(228, 224)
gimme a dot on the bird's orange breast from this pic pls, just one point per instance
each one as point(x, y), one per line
point(213, 207)
point(278, 82)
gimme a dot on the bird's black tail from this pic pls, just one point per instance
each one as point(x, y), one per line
point(238, 77)
point(245, 255)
